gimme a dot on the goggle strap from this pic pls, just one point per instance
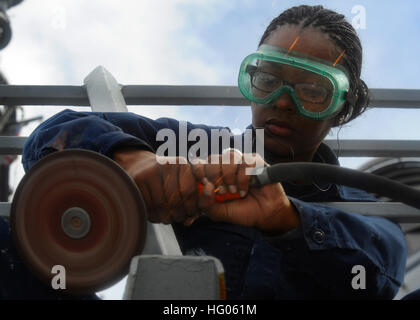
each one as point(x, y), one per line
point(350, 98)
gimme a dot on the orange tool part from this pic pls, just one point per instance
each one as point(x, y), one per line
point(219, 197)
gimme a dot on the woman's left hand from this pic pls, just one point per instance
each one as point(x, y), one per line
point(266, 208)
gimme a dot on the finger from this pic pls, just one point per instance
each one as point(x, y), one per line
point(198, 170)
point(214, 173)
point(230, 161)
point(190, 220)
point(247, 171)
point(173, 200)
point(253, 160)
point(208, 196)
point(236, 212)
point(242, 178)
point(159, 215)
point(188, 190)
point(146, 193)
point(165, 215)
point(153, 195)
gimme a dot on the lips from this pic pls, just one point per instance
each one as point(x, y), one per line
point(278, 127)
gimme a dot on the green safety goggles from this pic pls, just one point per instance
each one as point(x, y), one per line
point(318, 89)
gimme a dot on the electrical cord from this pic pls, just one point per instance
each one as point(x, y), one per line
point(343, 176)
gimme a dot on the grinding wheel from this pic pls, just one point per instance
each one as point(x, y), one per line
point(78, 209)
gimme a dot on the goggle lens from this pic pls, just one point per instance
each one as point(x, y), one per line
point(266, 78)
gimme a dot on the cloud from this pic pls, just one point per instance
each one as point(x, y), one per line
point(193, 42)
point(139, 42)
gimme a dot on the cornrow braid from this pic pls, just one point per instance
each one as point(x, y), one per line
point(344, 36)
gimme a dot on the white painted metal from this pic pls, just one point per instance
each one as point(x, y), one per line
point(104, 92)
point(155, 277)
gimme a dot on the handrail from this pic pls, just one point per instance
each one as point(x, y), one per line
point(346, 148)
point(121, 95)
point(65, 95)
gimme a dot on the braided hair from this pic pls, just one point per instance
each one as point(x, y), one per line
point(344, 36)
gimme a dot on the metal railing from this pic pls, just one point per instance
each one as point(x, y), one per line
point(119, 95)
point(174, 95)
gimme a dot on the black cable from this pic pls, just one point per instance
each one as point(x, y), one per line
point(338, 175)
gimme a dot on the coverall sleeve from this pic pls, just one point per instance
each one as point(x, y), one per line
point(101, 132)
point(350, 255)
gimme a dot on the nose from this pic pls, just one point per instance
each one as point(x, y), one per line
point(285, 102)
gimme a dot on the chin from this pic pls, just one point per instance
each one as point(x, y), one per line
point(278, 145)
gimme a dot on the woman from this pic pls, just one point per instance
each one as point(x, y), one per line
point(275, 241)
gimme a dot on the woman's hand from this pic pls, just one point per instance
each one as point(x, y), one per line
point(266, 208)
point(169, 190)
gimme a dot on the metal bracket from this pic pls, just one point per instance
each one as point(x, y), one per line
point(156, 277)
point(104, 92)
point(161, 239)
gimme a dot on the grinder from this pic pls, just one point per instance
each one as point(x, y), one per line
point(80, 210)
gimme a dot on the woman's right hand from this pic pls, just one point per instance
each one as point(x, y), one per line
point(169, 190)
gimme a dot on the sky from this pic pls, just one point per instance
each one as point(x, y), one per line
point(198, 42)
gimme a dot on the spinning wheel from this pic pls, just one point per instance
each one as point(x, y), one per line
point(78, 209)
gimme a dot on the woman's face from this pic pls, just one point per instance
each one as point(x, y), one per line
point(284, 127)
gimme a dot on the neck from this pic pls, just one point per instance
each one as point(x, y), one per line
point(273, 158)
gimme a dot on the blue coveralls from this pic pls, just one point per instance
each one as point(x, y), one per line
point(313, 261)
